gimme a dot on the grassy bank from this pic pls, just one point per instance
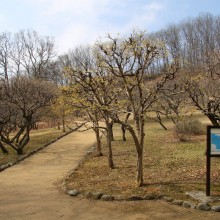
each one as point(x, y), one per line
point(171, 167)
point(38, 139)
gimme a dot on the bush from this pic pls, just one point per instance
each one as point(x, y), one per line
point(188, 127)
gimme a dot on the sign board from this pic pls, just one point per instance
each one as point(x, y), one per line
point(214, 141)
point(213, 150)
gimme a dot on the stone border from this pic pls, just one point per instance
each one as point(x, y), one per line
point(5, 166)
point(104, 197)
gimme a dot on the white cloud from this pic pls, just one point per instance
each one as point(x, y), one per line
point(146, 15)
point(3, 21)
point(77, 7)
point(76, 34)
point(73, 36)
point(76, 22)
point(154, 6)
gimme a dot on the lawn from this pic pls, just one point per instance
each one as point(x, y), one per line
point(39, 138)
point(171, 167)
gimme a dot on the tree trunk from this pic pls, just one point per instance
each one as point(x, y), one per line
point(174, 122)
point(111, 131)
point(35, 126)
point(213, 120)
point(123, 127)
point(109, 144)
point(26, 138)
point(19, 151)
point(98, 143)
point(139, 149)
point(140, 179)
point(97, 133)
point(3, 149)
point(137, 123)
point(163, 126)
point(58, 125)
point(160, 121)
point(123, 133)
point(64, 127)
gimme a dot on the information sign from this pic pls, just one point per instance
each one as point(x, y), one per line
point(213, 150)
point(215, 140)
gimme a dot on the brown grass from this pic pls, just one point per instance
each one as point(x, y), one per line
point(171, 167)
point(38, 139)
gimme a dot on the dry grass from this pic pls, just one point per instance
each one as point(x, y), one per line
point(38, 139)
point(171, 167)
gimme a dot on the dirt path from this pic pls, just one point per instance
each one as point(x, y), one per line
point(29, 190)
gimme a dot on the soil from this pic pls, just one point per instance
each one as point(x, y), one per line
point(32, 190)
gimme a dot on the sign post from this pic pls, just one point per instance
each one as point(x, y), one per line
point(213, 150)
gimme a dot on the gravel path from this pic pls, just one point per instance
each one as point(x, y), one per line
point(30, 190)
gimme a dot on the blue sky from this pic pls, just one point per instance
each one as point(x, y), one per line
point(79, 22)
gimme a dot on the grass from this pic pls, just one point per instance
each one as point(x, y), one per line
point(38, 139)
point(171, 167)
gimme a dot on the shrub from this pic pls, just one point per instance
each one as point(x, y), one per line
point(188, 127)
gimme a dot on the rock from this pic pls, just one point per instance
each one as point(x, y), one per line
point(107, 198)
point(159, 197)
point(134, 198)
point(168, 199)
point(203, 207)
point(193, 206)
point(200, 196)
point(9, 164)
point(89, 152)
point(187, 204)
point(73, 192)
point(119, 198)
point(88, 195)
point(216, 208)
point(97, 196)
point(177, 202)
point(3, 166)
point(149, 198)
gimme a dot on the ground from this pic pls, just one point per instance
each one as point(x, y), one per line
point(32, 190)
point(171, 167)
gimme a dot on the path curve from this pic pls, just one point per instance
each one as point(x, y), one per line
point(30, 190)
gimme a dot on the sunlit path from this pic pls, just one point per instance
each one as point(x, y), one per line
point(30, 190)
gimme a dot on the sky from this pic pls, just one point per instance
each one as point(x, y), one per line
point(80, 22)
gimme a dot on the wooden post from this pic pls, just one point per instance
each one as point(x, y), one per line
point(208, 164)
point(208, 161)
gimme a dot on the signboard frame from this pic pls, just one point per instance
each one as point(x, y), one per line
point(209, 154)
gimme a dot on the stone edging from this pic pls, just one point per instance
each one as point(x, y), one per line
point(104, 197)
point(3, 167)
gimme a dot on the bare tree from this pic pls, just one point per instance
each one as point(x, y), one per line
point(75, 61)
point(128, 60)
point(172, 102)
point(95, 91)
point(202, 74)
point(5, 52)
point(21, 101)
point(31, 54)
point(197, 44)
point(203, 90)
